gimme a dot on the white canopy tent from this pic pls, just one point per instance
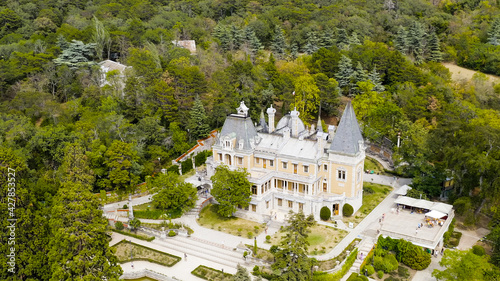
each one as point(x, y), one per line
point(403, 190)
point(435, 214)
point(439, 207)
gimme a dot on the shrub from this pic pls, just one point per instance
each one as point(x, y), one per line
point(256, 268)
point(347, 210)
point(403, 272)
point(387, 263)
point(478, 250)
point(369, 270)
point(171, 233)
point(186, 166)
point(268, 238)
point(245, 254)
point(390, 278)
point(325, 213)
point(413, 256)
point(200, 158)
point(368, 190)
point(380, 274)
point(173, 169)
point(250, 235)
point(119, 225)
point(125, 206)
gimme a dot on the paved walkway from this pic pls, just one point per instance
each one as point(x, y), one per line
point(368, 223)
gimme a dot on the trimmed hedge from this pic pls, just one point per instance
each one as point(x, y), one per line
point(173, 169)
point(347, 210)
point(186, 166)
point(347, 265)
point(141, 237)
point(175, 258)
point(202, 271)
point(325, 213)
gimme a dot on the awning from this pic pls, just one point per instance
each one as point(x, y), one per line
point(403, 200)
point(435, 214)
point(442, 207)
point(403, 190)
point(423, 204)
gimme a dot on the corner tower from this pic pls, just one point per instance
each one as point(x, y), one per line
point(346, 156)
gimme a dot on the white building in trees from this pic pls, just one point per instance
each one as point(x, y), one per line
point(292, 167)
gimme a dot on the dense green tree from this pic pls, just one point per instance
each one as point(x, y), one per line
point(306, 98)
point(120, 159)
point(292, 261)
point(102, 39)
point(342, 39)
point(230, 189)
point(76, 55)
point(134, 224)
point(172, 195)
point(416, 34)
point(462, 266)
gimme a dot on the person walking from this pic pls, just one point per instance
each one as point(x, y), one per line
point(185, 256)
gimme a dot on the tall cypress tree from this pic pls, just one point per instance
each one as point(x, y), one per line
point(198, 127)
point(344, 75)
point(435, 50)
point(278, 45)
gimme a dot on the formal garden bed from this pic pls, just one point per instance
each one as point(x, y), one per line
point(322, 239)
point(373, 194)
point(212, 274)
point(127, 251)
point(236, 226)
point(148, 211)
point(331, 263)
point(134, 234)
point(373, 166)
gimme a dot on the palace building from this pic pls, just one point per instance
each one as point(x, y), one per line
point(293, 167)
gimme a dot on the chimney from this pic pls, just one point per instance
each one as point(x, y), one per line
point(331, 132)
point(270, 114)
point(295, 122)
point(286, 134)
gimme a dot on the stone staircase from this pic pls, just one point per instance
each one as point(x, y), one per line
point(363, 249)
point(196, 210)
point(192, 246)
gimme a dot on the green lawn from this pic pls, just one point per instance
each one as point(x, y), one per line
point(373, 165)
point(128, 251)
point(211, 219)
point(373, 194)
point(148, 211)
point(322, 239)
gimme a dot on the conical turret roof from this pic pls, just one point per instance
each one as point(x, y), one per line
point(348, 134)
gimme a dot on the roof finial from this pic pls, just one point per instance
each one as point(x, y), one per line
point(243, 109)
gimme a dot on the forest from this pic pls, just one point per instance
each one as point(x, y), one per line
point(67, 135)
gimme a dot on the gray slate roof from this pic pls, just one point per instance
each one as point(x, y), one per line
point(240, 127)
point(348, 135)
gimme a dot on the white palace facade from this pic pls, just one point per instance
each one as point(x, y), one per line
point(292, 167)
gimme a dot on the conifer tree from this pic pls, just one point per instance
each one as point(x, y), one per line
point(236, 37)
point(354, 40)
point(416, 41)
point(291, 257)
point(198, 125)
point(326, 40)
point(342, 40)
point(344, 75)
point(253, 42)
point(359, 75)
point(374, 78)
point(79, 249)
point(401, 40)
point(494, 32)
point(435, 51)
point(312, 44)
point(278, 45)
point(294, 51)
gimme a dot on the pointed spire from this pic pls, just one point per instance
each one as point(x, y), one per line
point(319, 126)
point(263, 124)
point(348, 135)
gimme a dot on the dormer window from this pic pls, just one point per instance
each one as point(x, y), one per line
point(240, 144)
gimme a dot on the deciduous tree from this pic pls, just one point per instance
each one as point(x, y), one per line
point(230, 189)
